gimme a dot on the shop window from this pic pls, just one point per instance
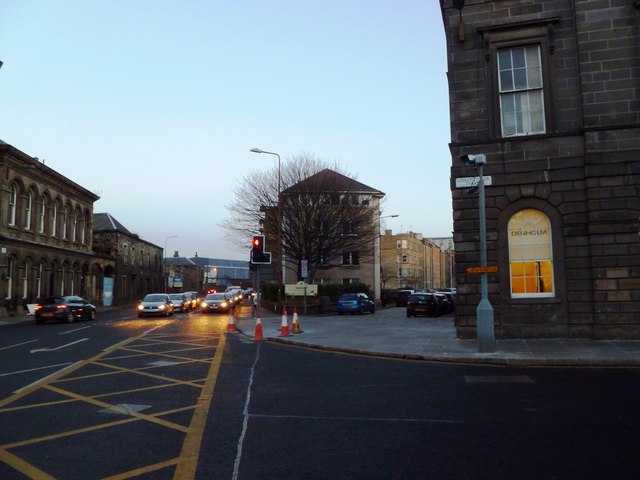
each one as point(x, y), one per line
point(530, 255)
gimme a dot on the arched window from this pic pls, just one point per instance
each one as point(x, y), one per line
point(38, 285)
point(63, 222)
point(13, 200)
point(9, 278)
point(530, 254)
point(41, 213)
point(28, 208)
point(25, 278)
point(54, 218)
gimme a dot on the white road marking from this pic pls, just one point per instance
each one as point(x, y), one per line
point(47, 349)
point(18, 344)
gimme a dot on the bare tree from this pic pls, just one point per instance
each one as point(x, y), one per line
point(322, 215)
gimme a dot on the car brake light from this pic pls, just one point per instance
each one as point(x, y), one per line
point(62, 306)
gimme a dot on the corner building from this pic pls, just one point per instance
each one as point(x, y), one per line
point(549, 91)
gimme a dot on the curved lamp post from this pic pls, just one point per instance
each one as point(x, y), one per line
point(280, 219)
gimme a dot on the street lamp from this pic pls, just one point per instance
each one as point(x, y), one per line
point(484, 311)
point(280, 219)
point(166, 281)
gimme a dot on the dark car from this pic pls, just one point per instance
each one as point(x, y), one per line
point(422, 304)
point(216, 302)
point(402, 296)
point(155, 304)
point(443, 303)
point(355, 303)
point(180, 302)
point(64, 308)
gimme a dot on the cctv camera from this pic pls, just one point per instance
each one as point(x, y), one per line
point(479, 159)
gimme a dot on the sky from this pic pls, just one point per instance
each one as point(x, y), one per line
point(154, 105)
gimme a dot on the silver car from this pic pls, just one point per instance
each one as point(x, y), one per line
point(155, 304)
point(216, 302)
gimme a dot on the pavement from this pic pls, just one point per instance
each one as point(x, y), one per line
point(389, 333)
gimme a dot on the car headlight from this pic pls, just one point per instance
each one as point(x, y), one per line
point(140, 307)
point(223, 304)
point(161, 307)
point(203, 304)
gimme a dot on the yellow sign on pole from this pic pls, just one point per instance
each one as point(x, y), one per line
point(491, 269)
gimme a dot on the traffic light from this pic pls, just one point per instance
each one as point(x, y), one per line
point(258, 255)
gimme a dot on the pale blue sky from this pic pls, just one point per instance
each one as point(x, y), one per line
point(154, 104)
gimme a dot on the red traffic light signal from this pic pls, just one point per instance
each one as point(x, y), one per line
point(258, 255)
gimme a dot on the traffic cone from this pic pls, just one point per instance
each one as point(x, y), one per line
point(296, 323)
point(231, 328)
point(258, 335)
point(284, 327)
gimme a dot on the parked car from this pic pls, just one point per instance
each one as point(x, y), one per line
point(64, 308)
point(216, 302)
point(155, 304)
point(355, 303)
point(402, 296)
point(443, 302)
point(180, 302)
point(195, 299)
point(422, 304)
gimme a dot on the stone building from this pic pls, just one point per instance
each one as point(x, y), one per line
point(549, 91)
point(409, 260)
point(134, 267)
point(46, 225)
point(343, 211)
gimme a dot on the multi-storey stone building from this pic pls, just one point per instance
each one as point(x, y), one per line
point(132, 266)
point(45, 234)
point(409, 260)
point(549, 91)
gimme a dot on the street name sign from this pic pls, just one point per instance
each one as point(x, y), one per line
point(468, 182)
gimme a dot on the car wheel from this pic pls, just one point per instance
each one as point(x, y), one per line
point(92, 315)
point(373, 309)
point(70, 317)
point(39, 320)
point(141, 315)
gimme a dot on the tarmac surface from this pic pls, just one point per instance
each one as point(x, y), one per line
point(389, 333)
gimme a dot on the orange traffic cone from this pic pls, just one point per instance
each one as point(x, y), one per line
point(258, 335)
point(296, 323)
point(231, 328)
point(284, 327)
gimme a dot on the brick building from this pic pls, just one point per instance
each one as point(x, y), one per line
point(549, 91)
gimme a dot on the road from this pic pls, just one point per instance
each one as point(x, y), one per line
point(179, 398)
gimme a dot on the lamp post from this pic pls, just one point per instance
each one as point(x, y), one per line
point(166, 279)
point(377, 262)
point(484, 311)
point(280, 217)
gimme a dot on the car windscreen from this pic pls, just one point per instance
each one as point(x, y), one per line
point(52, 300)
point(154, 298)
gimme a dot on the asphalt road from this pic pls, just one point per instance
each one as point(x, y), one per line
point(159, 399)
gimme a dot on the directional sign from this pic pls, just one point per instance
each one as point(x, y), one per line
point(491, 269)
point(467, 182)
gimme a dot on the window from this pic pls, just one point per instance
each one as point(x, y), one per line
point(63, 222)
point(530, 254)
point(348, 281)
point(9, 278)
point(348, 228)
point(27, 211)
point(13, 199)
point(25, 279)
point(350, 258)
point(521, 95)
point(54, 219)
point(74, 227)
point(39, 280)
point(41, 213)
point(402, 244)
point(405, 258)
